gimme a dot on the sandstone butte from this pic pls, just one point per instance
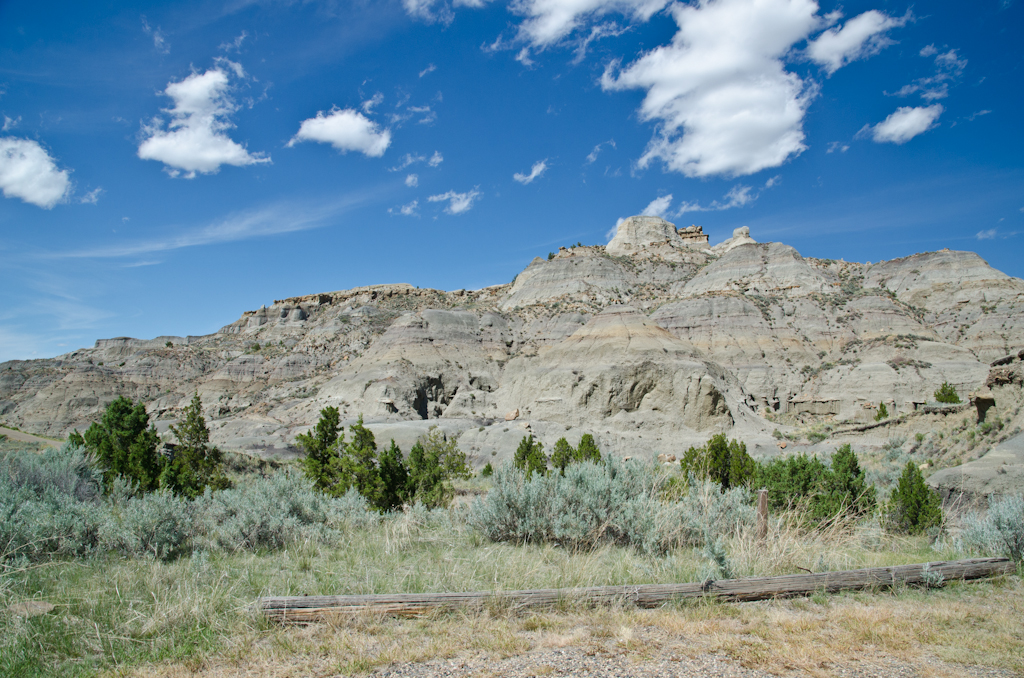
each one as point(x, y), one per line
point(651, 343)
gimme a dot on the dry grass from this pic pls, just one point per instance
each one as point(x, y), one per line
point(964, 624)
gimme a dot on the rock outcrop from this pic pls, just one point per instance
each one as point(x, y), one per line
point(651, 344)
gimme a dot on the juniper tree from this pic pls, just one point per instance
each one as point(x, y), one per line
point(194, 465)
point(530, 457)
point(434, 462)
point(321, 448)
point(587, 450)
point(124, 444)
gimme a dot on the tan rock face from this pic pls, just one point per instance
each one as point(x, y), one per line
point(651, 344)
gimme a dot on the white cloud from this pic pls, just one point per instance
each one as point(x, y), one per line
point(195, 139)
point(375, 100)
point(159, 42)
point(235, 44)
point(267, 221)
point(412, 180)
point(10, 123)
point(346, 130)
point(92, 197)
point(431, 11)
point(28, 172)
point(549, 21)
point(436, 159)
point(592, 157)
point(538, 169)
point(658, 207)
point(738, 196)
point(723, 100)
point(948, 69)
point(457, 202)
point(986, 235)
point(406, 160)
point(905, 124)
point(861, 37)
point(837, 146)
point(406, 210)
point(429, 69)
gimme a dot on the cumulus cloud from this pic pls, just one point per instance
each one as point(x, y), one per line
point(538, 169)
point(905, 124)
point(457, 202)
point(724, 103)
point(345, 130)
point(28, 172)
point(195, 139)
point(837, 146)
point(412, 180)
point(10, 123)
point(861, 37)
point(436, 159)
point(657, 207)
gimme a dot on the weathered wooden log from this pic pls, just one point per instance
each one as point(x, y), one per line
point(310, 608)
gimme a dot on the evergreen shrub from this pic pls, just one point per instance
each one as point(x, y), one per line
point(913, 506)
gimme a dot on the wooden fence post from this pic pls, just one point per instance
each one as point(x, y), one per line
point(762, 515)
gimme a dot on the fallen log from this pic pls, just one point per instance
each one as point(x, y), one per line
point(311, 608)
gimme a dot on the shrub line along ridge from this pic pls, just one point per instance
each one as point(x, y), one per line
point(304, 609)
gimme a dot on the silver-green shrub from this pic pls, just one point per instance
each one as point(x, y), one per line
point(158, 524)
point(48, 504)
point(615, 502)
point(271, 512)
point(65, 470)
point(1000, 532)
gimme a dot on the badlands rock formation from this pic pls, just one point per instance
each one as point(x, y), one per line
point(651, 344)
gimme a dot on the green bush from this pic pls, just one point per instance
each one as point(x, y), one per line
point(720, 460)
point(913, 506)
point(193, 465)
point(124, 444)
point(821, 492)
point(320, 446)
point(487, 471)
point(883, 412)
point(434, 462)
point(530, 457)
point(564, 454)
point(947, 394)
point(1000, 532)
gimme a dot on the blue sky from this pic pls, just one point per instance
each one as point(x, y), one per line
point(166, 166)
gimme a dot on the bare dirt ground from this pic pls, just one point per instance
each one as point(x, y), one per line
point(27, 437)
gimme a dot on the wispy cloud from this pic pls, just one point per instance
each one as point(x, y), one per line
point(538, 169)
point(457, 202)
point(271, 220)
